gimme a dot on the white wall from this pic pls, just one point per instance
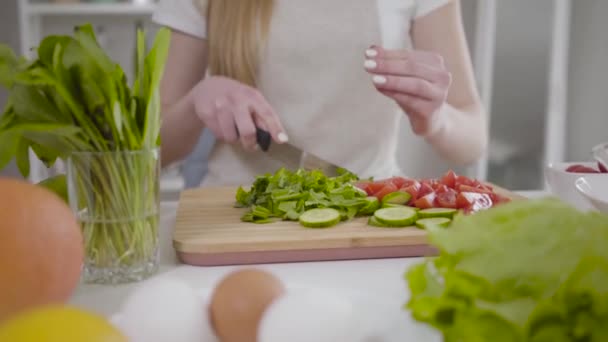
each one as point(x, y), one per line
point(588, 98)
point(8, 35)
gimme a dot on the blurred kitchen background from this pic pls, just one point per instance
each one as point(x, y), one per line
point(541, 65)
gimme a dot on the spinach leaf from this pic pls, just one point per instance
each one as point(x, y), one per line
point(73, 97)
point(22, 157)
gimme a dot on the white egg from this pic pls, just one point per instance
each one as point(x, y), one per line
point(165, 310)
point(309, 315)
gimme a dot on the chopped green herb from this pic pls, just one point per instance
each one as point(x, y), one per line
point(288, 194)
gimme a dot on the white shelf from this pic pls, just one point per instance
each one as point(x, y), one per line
point(91, 9)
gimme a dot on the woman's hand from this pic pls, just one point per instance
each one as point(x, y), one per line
point(417, 80)
point(233, 110)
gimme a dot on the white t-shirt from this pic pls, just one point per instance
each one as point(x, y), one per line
point(312, 74)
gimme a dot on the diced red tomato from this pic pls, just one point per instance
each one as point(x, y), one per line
point(449, 179)
point(473, 201)
point(387, 189)
point(447, 199)
point(499, 199)
point(425, 189)
point(441, 188)
point(430, 182)
point(449, 191)
point(486, 186)
point(413, 191)
point(480, 189)
point(410, 182)
point(400, 182)
point(425, 202)
point(375, 187)
point(364, 185)
point(466, 181)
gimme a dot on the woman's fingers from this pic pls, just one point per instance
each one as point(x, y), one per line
point(404, 67)
point(226, 120)
point(409, 86)
point(268, 119)
point(425, 57)
point(246, 128)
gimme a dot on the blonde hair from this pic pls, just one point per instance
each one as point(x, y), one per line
point(237, 31)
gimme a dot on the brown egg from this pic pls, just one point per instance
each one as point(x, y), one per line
point(41, 248)
point(239, 301)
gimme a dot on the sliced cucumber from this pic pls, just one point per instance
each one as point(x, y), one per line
point(373, 221)
point(320, 218)
point(400, 217)
point(397, 197)
point(371, 205)
point(437, 212)
point(433, 221)
point(391, 205)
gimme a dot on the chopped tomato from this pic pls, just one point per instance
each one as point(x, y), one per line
point(425, 202)
point(400, 182)
point(430, 182)
point(364, 185)
point(499, 199)
point(486, 186)
point(425, 189)
point(441, 188)
point(447, 199)
point(413, 191)
point(479, 189)
point(473, 201)
point(466, 181)
point(449, 179)
point(375, 187)
point(387, 189)
point(410, 182)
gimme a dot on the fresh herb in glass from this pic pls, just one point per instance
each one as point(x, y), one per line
point(73, 103)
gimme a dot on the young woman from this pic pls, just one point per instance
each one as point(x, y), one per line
point(331, 80)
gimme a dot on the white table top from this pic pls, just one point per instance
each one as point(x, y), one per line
point(380, 276)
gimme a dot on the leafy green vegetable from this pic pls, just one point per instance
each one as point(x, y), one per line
point(287, 194)
point(73, 97)
point(525, 271)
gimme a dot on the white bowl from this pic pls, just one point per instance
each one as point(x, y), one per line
point(563, 184)
point(595, 190)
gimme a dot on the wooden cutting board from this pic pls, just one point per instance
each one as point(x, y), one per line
point(209, 232)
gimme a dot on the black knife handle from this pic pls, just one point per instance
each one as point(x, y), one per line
point(262, 137)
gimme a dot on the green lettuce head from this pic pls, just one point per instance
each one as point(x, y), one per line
point(525, 271)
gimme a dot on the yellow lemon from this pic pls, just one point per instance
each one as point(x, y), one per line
point(59, 324)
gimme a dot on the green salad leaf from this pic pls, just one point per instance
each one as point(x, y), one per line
point(532, 270)
point(287, 194)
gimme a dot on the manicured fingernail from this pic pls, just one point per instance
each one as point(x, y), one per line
point(371, 53)
point(370, 64)
point(379, 79)
point(283, 137)
point(256, 147)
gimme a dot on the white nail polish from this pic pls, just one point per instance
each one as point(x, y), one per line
point(371, 53)
point(283, 137)
point(370, 64)
point(379, 79)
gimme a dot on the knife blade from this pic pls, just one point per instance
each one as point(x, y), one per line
point(307, 161)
